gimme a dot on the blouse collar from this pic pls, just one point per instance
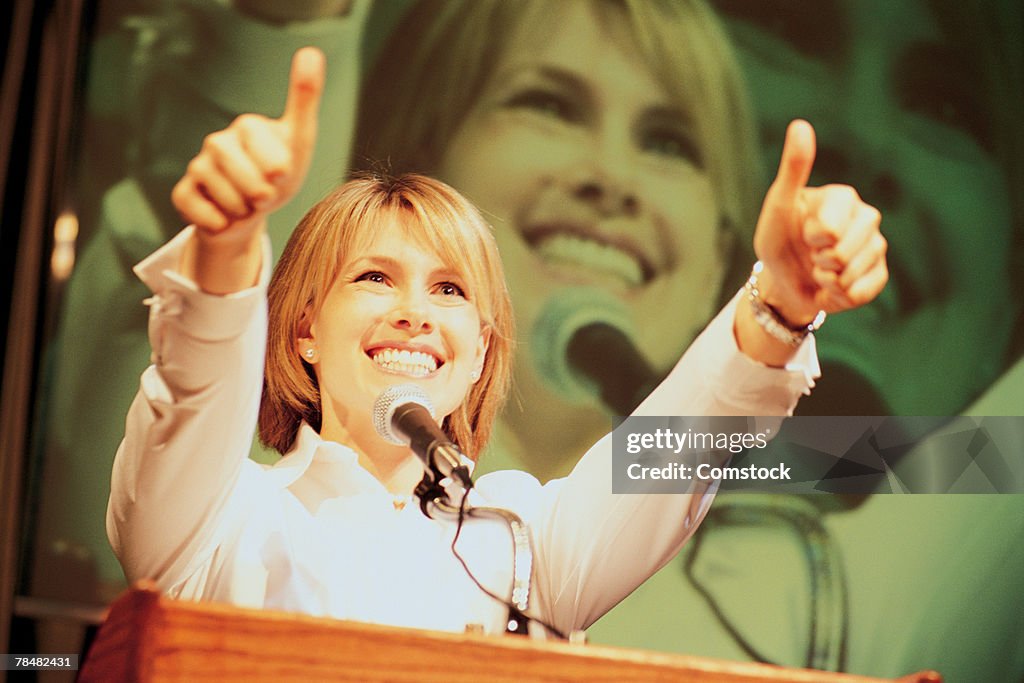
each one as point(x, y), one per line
point(310, 447)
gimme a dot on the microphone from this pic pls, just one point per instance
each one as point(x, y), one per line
point(404, 415)
point(604, 354)
point(582, 346)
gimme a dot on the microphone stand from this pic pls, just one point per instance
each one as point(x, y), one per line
point(433, 498)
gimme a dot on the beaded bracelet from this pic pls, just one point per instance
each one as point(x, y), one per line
point(770, 320)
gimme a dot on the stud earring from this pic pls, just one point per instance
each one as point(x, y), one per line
point(309, 353)
point(475, 375)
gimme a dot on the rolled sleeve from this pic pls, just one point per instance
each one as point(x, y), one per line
point(183, 318)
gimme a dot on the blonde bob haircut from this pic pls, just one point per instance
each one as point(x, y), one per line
point(438, 60)
point(336, 230)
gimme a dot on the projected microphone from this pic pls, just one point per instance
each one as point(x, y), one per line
point(404, 415)
point(604, 354)
point(582, 347)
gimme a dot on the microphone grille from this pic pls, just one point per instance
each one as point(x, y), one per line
point(389, 400)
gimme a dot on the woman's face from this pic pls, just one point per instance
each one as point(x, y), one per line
point(593, 177)
point(396, 314)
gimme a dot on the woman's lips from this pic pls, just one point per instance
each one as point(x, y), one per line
point(592, 251)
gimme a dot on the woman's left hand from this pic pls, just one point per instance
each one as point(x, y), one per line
point(820, 246)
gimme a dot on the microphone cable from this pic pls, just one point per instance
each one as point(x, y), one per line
point(518, 623)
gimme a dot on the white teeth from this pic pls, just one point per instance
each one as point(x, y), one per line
point(406, 362)
point(593, 255)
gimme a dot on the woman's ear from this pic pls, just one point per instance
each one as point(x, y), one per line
point(305, 344)
point(483, 344)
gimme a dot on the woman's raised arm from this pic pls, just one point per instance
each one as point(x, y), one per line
point(821, 249)
point(179, 471)
point(241, 175)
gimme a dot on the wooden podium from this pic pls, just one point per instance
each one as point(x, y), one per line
point(148, 638)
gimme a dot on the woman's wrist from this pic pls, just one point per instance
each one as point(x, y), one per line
point(768, 328)
point(222, 262)
point(791, 309)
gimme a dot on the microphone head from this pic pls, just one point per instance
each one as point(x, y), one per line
point(564, 315)
point(389, 401)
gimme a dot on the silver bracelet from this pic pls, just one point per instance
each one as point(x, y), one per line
point(770, 320)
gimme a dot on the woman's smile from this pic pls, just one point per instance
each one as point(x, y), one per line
point(401, 358)
point(590, 250)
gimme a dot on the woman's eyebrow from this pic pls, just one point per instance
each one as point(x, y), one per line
point(564, 77)
point(446, 273)
point(559, 76)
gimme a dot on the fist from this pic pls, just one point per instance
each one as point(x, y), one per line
point(821, 246)
point(256, 164)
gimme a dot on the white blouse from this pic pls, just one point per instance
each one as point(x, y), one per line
point(317, 533)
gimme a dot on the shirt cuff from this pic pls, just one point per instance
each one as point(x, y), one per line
point(747, 381)
point(175, 297)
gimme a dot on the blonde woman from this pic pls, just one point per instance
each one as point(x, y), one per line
point(390, 282)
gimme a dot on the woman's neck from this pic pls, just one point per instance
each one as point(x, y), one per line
point(395, 467)
point(399, 477)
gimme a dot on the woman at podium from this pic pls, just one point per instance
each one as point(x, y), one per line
point(397, 281)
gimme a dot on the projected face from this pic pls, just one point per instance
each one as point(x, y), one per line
point(595, 180)
point(901, 114)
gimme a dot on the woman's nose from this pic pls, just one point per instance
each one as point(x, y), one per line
point(605, 179)
point(608, 195)
point(412, 315)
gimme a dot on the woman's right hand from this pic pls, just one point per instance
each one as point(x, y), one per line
point(242, 174)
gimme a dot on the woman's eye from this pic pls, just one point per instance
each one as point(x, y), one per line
point(546, 103)
point(373, 276)
point(673, 144)
point(450, 289)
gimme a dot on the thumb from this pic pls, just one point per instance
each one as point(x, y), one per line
point(305, 86)
point(796, 163)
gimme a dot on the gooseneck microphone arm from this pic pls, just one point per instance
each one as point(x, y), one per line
point(518, 601)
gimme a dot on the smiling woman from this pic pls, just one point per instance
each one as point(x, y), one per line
point(608, 143)
point(393, 281)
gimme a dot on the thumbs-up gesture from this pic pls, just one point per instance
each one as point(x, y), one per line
point(242, 174)
point(820, 246)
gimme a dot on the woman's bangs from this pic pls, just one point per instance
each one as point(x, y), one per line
point(457, 245)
